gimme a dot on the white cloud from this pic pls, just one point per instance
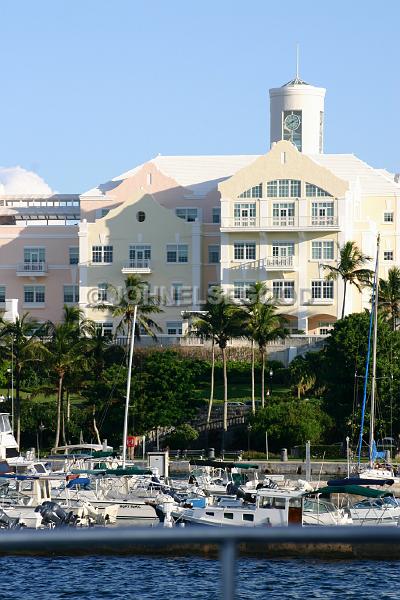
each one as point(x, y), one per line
point(16, 180)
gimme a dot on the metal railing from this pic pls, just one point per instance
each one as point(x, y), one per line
point(32, 267)
point(124, 540)
point(139, 264)
point(272, 262)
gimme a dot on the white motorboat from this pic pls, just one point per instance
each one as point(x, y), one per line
point(272, 508)
point(376, 511)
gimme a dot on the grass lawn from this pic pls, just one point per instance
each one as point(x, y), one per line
point(238, 392)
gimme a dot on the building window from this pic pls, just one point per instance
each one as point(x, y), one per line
point(187, 214)
point(139, 256)
point(284, 188)
point(174, 327)
point(254, 192)
point(242, 289)
point(283, 214)
point(71, 294)
point(34, 294)
point(388, 255)
point(177, 253)
point(2, 293)
point(106, 328)
point(315, 191)
point(141, 216)
point(34, 255)
point(282, 249)
point(102, 292)
point(74, 255)
point(322, 250)
point(177, 293)
point(216, 215)
point(322, 213)
point(388, 217)
point(322, 290)
point(213, 254)
point(283, 290)
point(104, 212)
point(292, 127)
point(245, 215)
point(244, 251)
point(102, 254)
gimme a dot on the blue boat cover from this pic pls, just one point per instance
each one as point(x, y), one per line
point(79, 481)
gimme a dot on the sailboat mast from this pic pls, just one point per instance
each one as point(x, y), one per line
point(128, 388)
point(374, 344)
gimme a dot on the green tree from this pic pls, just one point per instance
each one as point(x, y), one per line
point(389, 296)
point(290, 422)
point(264, 325)
point(135, 293)
point(220, 321)
point(302, 375)
point(350, 268)
point(22, 344)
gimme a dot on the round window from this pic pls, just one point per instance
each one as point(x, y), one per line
point(140, 215)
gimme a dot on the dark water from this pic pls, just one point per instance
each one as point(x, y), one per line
point(136, 578)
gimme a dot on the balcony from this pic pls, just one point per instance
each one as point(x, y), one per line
point(273, 263)
point(142, 266)
point(26, 269)
point(280, 223)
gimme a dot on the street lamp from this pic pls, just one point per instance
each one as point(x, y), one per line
point(249, 428)
point(271, 373)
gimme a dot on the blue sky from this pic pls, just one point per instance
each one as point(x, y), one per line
point(92, 88)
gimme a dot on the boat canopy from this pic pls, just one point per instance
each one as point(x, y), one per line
point(360, 481)
point(219, 464)
point(356, 490)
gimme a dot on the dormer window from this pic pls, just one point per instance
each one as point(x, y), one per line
point(284, 188)
point(313, 191)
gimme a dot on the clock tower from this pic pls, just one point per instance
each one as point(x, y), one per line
point(297, 115)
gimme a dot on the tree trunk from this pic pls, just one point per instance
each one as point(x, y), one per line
point(344, 297)
point(262, 351)
point(64, 437)
point(95, 425)
point(210, 402)
point(59, 398)
point(18, 405)
point(253, 396)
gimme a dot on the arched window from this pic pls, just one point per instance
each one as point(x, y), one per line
point(254, 192)
point(284, 188)
point(313, 191)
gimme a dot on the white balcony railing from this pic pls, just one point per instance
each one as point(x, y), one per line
point(32, 268)
point(137, 266)
point(277, 263)
point(280, 223)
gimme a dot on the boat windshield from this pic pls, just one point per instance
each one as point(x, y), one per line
point(318, 506)
point(5, 424)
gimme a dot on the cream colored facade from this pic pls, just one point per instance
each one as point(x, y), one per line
point(140, 237)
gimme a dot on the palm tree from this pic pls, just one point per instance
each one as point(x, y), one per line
point(66, 352)
point(350, 268)
point(389, 296)
point(22, 338)
point(135, 293)
point(220, 321)
point(264, 325)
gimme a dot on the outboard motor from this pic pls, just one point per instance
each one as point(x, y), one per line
point(54, 515)
point(7, 522)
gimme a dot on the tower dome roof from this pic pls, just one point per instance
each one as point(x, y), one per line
point(295, 81)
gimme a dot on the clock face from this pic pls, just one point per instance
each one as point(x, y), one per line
point(292, 122)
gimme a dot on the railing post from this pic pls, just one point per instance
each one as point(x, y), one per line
point(227, 560)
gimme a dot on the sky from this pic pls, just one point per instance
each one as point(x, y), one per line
point(92, 88)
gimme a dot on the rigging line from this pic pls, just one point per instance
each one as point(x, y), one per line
point(108, 403)
point(371, 320)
